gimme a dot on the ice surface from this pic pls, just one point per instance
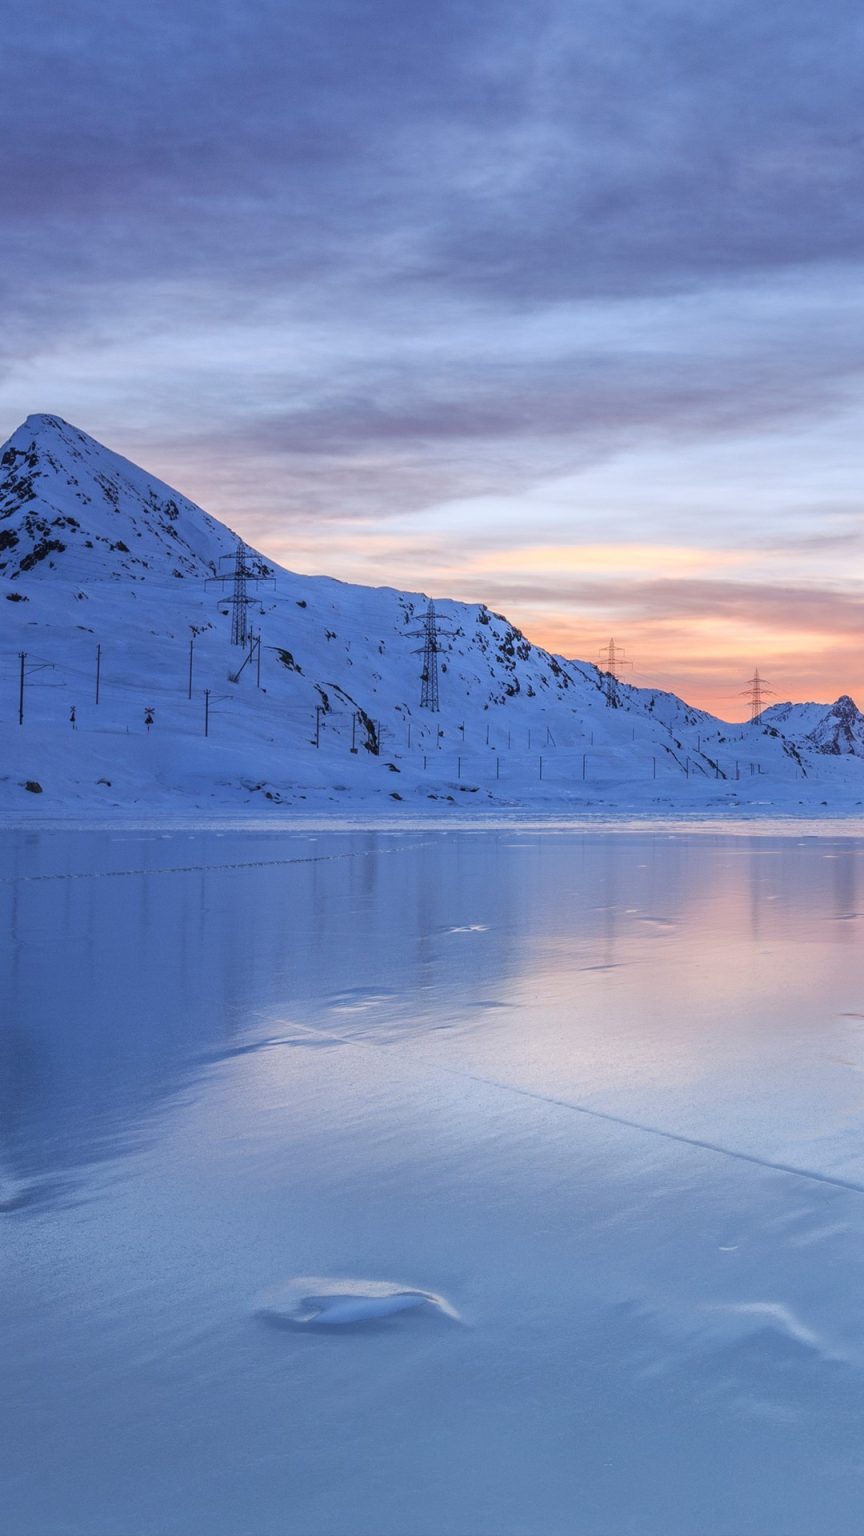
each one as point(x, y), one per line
point(600, 1092)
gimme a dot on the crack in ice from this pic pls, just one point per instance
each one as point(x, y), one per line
point(753, 1158)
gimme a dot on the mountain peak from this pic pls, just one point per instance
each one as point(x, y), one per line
point(44, 421)
point(42, 428)
point(840, 732)
point(69, 504)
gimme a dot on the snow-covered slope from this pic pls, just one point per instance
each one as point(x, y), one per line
point(112, 607)
point(795, 720)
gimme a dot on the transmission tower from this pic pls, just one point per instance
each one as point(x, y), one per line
point(613, 658)
point(612, 661)
point(246, 571)
point(239, 598)
point(756, 691)
point(430, 633)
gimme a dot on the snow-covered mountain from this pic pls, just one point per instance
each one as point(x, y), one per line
point(837, 730)
point(114, 593)
point(73, 509)
point(841, 729)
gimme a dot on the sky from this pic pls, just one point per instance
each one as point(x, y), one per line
point(555, 306)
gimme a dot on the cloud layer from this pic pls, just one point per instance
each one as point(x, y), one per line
point(454, 277)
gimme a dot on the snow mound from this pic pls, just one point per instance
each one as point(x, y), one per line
point(310, 1301)
point(750, 1318)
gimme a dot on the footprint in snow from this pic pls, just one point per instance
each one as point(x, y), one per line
point(314, 1303)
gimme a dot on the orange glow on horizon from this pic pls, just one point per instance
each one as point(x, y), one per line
point(705, 657)
point(606, 559)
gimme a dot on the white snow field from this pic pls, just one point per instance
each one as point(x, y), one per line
point(501, 1182)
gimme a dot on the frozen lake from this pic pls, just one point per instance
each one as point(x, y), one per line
point(599, 1093)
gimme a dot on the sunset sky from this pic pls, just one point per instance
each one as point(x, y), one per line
point(553, 304)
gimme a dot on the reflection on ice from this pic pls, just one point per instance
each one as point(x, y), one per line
point(605, 1091)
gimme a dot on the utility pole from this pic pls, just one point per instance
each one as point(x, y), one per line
point(206, 711)
point(756, 691)
point(254, 650)
point(191, 650)
point(98, 670)
point(23, 669)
